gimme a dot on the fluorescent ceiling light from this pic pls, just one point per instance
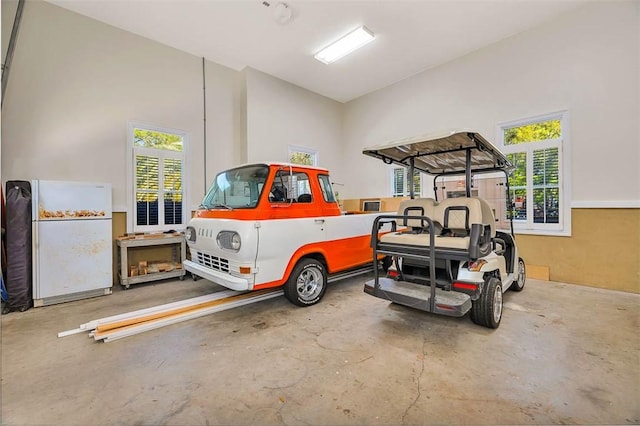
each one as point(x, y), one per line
point(347, 44)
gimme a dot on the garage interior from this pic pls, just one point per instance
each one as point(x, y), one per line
point(238, 82)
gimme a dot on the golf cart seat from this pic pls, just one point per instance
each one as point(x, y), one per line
point(488, 216)
point(416, 207)
point(464, 226)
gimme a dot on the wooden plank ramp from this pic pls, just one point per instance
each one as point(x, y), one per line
point(128, 324)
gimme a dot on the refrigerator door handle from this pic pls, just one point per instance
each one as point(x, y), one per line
point(34, 260)
point(35, 202)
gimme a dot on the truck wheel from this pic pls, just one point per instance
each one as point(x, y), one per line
point(487, 310)
point(307, 283)
point(518, 284)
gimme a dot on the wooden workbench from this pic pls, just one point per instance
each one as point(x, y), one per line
point(179, 254)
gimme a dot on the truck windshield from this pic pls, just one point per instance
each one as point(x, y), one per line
point(236, 188)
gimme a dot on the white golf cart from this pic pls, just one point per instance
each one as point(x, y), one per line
point(446, 256)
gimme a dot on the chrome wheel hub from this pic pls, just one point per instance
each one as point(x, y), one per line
point(309, 283)
point(497, 304)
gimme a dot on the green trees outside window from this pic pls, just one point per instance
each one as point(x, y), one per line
point(302, 158)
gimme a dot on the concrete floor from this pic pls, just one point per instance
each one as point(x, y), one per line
point(563, 354)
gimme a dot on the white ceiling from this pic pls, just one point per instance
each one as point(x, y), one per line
point(411, 36)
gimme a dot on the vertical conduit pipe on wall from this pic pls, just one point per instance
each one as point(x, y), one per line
point(12, 44)
point(204, 105)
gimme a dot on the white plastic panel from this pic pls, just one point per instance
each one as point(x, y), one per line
point(72, 256)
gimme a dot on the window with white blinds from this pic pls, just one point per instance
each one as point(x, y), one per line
point(158, 177)
point(401, 183)
point(397, 186)
point(539, 185)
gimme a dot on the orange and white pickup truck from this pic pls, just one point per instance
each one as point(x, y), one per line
point(269, 225)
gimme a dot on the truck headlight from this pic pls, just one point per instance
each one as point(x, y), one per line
point(190, 234)
point(229, 240)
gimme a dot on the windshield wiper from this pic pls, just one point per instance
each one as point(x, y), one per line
point(216, 206)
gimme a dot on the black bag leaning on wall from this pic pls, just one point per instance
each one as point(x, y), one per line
point(18, 237)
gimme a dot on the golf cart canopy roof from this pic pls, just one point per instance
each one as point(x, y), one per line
point(445, 154)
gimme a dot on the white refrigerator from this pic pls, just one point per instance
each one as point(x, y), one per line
point(72, 241)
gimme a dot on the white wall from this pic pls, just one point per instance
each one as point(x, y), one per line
point(8, 13)
point(586, 62)
point(76, 83)
point(280, 114)
point(225, 91)
point(9, 8)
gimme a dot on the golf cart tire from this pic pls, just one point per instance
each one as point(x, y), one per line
point(518, 284)
point(487, 310)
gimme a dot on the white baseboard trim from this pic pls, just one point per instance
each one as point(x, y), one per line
point(609, 204)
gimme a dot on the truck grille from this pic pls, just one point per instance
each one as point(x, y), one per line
point(213, 262)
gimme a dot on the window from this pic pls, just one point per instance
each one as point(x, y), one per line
point(326, 188)
point(289, 186)
point(157, 169)
point(238, 188)
point(539, 185)
point(303, 156)
point(400, 185)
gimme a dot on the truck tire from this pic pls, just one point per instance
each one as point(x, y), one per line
point(518, 284)
point(307, 283)
point(487, 310)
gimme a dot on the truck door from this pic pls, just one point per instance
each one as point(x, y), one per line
point(295, 225)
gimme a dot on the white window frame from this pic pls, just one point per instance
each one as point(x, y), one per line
point(405, 188)
point(563, 143)
point(132, 150)
point(304, 150)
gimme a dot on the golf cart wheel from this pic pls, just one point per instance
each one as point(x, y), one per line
point(307, 283)
point(387, 261)
point(487, 310)
point(518, 284)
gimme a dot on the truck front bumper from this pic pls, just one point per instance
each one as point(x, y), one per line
point(221, 278)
